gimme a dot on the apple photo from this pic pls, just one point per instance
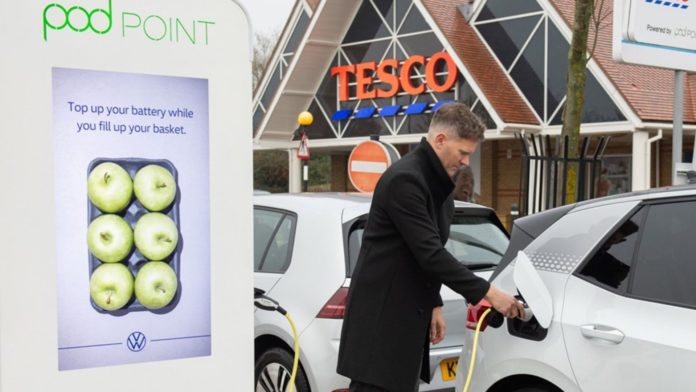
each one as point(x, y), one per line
point(156, 236)
point(111, 286)
point(110, 238)
point(154, 187)
point(155, 285)
point(109, 187)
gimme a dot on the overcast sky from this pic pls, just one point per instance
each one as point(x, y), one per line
point(268, 16)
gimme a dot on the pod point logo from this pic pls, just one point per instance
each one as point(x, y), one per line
point(100, 21)
point(76, 18)
point(136, 341)
point(683, 4)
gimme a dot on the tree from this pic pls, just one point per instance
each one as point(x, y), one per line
point(589, 15)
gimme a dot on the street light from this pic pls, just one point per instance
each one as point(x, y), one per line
point(305, 119)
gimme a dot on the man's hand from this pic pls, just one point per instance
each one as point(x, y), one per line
point(504, 303)
point(437, 326)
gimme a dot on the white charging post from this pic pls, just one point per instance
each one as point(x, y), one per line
point(134, 82)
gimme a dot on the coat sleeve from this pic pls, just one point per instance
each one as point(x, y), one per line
point(407, 209)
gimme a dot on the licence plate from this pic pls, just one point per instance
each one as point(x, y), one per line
point(448, 368)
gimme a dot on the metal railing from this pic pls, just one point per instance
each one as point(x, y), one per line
point(543, 173)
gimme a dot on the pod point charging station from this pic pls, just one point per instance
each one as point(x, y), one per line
point(126, 220)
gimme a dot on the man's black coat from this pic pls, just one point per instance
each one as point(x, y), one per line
point(396, 282)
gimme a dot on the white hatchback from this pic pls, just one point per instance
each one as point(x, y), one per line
point(618, 278)
point(305, 248)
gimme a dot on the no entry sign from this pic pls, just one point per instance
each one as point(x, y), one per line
point(368, 161)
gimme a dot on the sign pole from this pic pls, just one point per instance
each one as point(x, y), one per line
point(305, 119)
point(677, 122)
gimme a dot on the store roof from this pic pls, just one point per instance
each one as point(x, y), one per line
point(649, 91)
point(479, 61)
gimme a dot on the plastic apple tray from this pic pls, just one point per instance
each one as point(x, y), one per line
point(131, 214)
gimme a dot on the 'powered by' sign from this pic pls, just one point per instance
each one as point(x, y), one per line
point(661, 22)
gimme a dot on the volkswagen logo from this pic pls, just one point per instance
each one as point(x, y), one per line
point(136, 341)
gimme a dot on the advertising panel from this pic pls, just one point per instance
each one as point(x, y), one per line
point(127, 192)
point(132, 217)
point(657, 33)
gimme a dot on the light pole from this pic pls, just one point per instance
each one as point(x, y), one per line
point(305, 119)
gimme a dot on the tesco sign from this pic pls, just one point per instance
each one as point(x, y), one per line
point(395, 76)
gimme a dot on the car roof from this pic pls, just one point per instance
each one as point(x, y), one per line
point(649, 194)
point(314, 200)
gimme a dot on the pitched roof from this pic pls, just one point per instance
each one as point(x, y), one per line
point(480, 63)
point(649, 91)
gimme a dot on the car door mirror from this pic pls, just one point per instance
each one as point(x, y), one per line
point(533, 289)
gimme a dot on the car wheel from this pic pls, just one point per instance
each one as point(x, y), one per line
point(273, 370)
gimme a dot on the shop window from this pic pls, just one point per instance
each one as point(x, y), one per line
point(664, 264)
point(598, 105)
point(506, 38)
point(528, 72)
point(367, 127)
point(402, 7)
point(320, 128)
point(414, 22)
point(415, 124)
point(326, 95)
point(466, 93)
point(386, 8)
point(494, 9)
point(297, 34)
point(423, 44)
point(367, 25)
point(557, 68)
point(372, 51)
point(258, 117)
point(271, 87)
point(558, 118)
point(483, 114)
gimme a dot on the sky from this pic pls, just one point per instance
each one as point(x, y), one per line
point(268, 16)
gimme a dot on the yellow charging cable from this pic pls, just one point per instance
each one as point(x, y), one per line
point(472, 361)
point(296, 361)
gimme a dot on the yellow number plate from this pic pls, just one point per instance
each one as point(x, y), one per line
point(448, 368)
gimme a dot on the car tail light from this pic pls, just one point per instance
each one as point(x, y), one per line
point(474, 313)
point(335, 308)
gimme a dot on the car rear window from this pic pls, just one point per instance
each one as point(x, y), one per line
point(479, 241)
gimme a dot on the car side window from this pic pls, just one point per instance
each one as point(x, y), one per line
point(666, 258)
point(273, 233)
point(612, 262)
point(476, 241)
point(278, 254)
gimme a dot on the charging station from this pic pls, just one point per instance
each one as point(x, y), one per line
point(131, 84)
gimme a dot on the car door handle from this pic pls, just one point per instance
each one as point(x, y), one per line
point(602, 332)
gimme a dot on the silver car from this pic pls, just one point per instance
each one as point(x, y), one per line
point(305, 249)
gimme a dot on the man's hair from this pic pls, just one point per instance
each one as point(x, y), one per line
point(458, 120)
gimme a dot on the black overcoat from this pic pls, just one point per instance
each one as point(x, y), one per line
point(401, 266)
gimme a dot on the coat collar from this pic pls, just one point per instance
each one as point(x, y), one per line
point(438, 180)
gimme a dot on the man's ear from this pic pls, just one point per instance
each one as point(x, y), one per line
point(440, 139)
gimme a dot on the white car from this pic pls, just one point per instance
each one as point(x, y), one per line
point(305, 248)
point(618, 276)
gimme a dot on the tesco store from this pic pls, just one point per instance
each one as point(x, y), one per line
point(381, 67)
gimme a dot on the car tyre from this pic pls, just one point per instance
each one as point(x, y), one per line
point(532, 389)
point(273, 370)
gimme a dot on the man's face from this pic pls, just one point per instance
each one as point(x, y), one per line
point(452, 151)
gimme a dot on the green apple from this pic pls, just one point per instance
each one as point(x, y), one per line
point(156, 235)
point(155, 284)
point(109, 187)
point(109, 238)
point(154, 187)
point(111, 286)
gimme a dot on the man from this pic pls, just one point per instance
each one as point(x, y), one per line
point(464, 184)
point(394, 305)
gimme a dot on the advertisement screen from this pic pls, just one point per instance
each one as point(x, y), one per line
point(132, 217)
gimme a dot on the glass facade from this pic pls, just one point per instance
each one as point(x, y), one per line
point(534, 53)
